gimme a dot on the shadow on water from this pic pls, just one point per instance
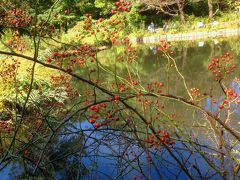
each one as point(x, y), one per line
point(118, 157)
point(111, 154)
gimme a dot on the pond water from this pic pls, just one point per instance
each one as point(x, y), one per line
point(192, 60)
point(111, 152)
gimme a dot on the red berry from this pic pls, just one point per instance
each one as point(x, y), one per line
point(117, 97)
point(49, 60)
point(113, 11)
point(166, 135)
point(103, 105)
point(151, 141)
point(135, 83)
point(220, 106)
point(92, 108)
point(98, 124)
point(109, 115)
point(26, 152)
point(92, 121)
point(96, 109)
point(171, 142)
point(55, 54)
point(162, 139)
point(151, 136)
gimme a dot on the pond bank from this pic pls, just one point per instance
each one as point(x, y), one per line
point(221, 33)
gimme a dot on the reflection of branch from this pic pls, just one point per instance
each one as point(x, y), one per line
point(195, 145)
point(208, 113)
point(184, 82)
point(154, 132)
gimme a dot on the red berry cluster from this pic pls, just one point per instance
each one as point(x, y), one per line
point(88, 15)
point(44, 29)
point(121, 5)
point(17, 42)
point(94, 117)
point(121, 87)
point(88, 21)
point(108, 28)
point(164, 138)
point(26, 152)
point(8, 72)
point(148, 157)
point(222, 66)
point(155, 87)
point(130, 53)
point(64, 81)
point(115, 98)
point(17, 18)
point(126, 40)
point(75, 57)
point(140, 177)
point(231, 94)
point(100, 110)
point(195, 92)
point(163, 45)
point(5, 126)
point(231, 97)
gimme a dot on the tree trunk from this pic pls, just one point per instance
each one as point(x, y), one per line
point(210, 9)
point(222, 5)
point(180, 4)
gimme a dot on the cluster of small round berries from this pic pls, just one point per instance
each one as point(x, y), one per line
point(5, 126)
point(195, 92)
point(163, 136)
point(232, 97)
point(78, 56)
point(121, 5)
point(155, 87)
point(17, 18)
point(9, 70)
point(64, 81)
point(109, 115)
point(222, 66)
point(164, 45)
point(17, 42)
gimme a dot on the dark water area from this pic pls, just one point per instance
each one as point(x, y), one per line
point(110, 167)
